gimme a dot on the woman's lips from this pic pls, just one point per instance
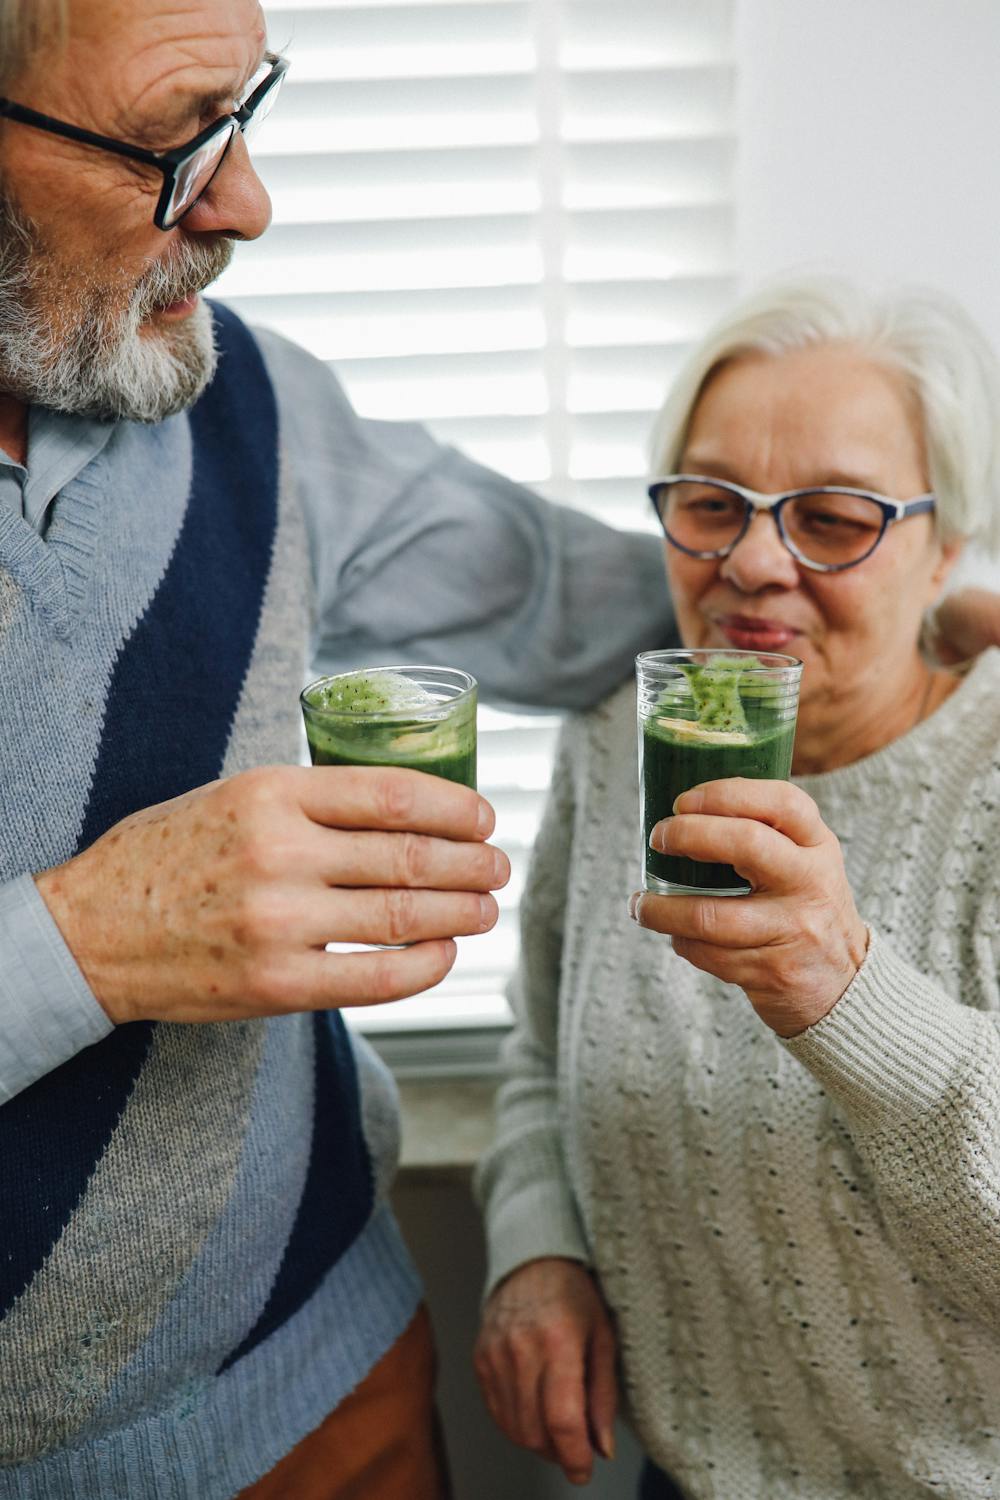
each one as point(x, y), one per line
point(748, 633)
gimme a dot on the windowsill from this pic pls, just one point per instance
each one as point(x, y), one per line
point(447, 1126)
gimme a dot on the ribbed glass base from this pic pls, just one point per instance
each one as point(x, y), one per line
point(670, 888)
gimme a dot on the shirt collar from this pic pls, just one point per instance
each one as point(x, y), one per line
point(60, 446)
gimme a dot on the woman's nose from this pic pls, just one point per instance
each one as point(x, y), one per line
point(760, 559)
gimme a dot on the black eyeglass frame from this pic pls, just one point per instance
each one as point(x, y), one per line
point(754, 502)
point(170, 162)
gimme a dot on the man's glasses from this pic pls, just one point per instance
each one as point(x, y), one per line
point(189, 169)
point(827, 528)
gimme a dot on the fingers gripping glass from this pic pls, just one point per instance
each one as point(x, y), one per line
point(826, 528)
point(187, 170)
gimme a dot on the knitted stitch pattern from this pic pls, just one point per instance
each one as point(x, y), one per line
point(194, 1266)
point(800, 1241)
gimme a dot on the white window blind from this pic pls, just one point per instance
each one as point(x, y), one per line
point(508, 219)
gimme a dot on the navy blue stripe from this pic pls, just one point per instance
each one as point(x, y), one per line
point(174, 692)
point(339, 1189)
point(51, 1137)
point(177, 681)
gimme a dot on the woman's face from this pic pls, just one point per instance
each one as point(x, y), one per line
point(826, 415)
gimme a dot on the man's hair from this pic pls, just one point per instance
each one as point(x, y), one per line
point(25, 26)
point(927, 337)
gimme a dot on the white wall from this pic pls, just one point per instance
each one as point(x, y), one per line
point(869, 140)
point(869, 143)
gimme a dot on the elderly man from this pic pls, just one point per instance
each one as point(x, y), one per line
point(201, 1286)
point(198, 1265)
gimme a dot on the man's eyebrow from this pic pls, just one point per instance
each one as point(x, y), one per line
point(197, 102)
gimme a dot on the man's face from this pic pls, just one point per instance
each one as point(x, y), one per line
point(98, 308)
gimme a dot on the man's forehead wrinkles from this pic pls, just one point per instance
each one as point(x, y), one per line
point(182, 77)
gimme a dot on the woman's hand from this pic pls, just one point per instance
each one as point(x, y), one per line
point(545, 1358)
point(796, 943)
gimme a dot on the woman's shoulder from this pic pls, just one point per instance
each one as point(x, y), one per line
point(605, 728)
point(970, 720)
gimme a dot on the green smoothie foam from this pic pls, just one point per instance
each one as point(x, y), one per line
point(384, 718)
point(370, 693)
point(722, 723)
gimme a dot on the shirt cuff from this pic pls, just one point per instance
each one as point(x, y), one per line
point(895, 1045)
point(48, 1012)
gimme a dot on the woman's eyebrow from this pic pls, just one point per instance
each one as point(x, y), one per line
point(714, 468)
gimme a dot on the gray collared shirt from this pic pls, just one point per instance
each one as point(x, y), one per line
point(59, 448)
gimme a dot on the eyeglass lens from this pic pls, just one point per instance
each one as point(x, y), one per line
point(262, 109)
point(828, 529)
point(194, 175)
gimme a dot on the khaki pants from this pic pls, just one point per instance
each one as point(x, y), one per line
point(383, 1442)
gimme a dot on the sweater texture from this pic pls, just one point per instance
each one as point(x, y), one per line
point(799, 1240)
point(197, 1262)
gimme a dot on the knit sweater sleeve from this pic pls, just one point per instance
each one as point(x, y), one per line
point(522, 1183)
point(917, 1076)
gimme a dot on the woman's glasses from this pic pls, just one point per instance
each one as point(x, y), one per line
point(827, 528)
point(189, 169)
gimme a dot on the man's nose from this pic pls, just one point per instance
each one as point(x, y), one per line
point(235, 203)
point(760, 559)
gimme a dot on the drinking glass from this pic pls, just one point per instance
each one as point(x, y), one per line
point(705, 715)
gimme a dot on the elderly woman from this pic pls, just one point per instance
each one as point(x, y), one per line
point(751, 1146)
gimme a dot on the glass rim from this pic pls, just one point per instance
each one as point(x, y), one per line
point(766, 661)
point(400, 715)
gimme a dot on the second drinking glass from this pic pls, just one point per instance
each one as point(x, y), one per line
point(705, 715)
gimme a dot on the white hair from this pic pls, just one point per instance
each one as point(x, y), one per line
point(26, 26)
point(925, 335)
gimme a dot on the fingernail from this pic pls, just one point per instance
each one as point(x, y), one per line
point(487, 913)
point(633, 905)
point(501, 869)
point(658, 837)
point(484, 819)
point(607, 1442)
point(692, 800)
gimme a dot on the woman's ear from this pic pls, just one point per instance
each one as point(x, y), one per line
point(949, 554)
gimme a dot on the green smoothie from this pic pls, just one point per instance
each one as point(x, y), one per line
point(719, 717)
point(421, 718)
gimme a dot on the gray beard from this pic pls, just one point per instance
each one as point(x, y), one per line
point(67, 343)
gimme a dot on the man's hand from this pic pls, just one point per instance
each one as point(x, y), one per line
point(964, 624)
point(217, 905)
point(545, 1359)
point(793, 945)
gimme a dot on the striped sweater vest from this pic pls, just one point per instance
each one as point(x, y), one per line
point(182, 1208)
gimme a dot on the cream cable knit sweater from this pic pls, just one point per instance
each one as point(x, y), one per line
point(800, 1241)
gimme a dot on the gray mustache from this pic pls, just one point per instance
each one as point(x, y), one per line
point(190, 270)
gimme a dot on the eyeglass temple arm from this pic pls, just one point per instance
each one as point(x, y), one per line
point(917, 507)
point(33, 117)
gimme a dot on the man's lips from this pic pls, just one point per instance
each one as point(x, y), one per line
point(179, 309)
point(753, 632)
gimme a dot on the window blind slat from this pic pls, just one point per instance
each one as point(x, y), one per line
point(509, 219)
